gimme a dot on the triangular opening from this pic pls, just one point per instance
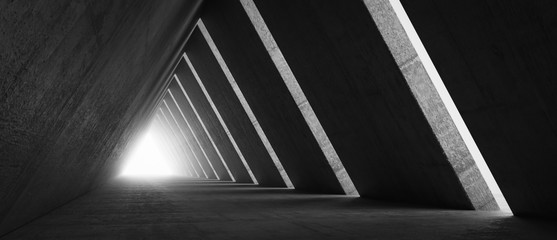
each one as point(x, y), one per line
point(148, 158)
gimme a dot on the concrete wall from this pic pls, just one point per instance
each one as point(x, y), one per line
point(497, 59)
point(269, 98)
point(232, 112)
point(75, 79)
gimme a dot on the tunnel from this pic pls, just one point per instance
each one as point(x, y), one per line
point(268, 119)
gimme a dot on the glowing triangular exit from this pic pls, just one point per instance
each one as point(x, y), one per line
point(151, 158)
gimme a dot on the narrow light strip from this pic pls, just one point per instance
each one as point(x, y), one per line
point(299, 96)
point(443, 94)
point(193, 133)
point(219, 117)
point(449, 104)
point(174, 149)
point(245, 104)
point(185, 138)
point(172, 131)
point(204, 128)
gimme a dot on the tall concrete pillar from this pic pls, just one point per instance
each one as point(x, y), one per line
point(366, 105)
point(206, 148)
point(269, 98)
point(497, 60)
point(197, 154)
point(232, 112)
point(214, 128)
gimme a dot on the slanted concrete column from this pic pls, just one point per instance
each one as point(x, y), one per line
point(198, 154)
point(497, 60)
point(232, 112)
point(180, 141)
point(206, 148)
point(367, 106)
point(211, 123)
point(269, 98)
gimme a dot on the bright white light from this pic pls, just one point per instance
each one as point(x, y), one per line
point(148, 160)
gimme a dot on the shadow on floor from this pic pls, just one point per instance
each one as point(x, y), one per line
point(185, 209)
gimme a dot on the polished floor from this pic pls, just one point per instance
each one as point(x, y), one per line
point(181, 209)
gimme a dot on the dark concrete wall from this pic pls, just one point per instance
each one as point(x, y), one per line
point(75, 76)
point(497, 59)
point(268, 97)
point(363, 101)
point(232, 112)
point(209, 118)
point(204, 141)
point(194, 147)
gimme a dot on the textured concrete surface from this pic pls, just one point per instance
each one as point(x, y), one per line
point(77, 80)
point(175, 209)
point(432, 105)
point(231, 111)
point(269, 98)
point(209, 118)
point(497, 60)
point(364, 103)
point(204, 142)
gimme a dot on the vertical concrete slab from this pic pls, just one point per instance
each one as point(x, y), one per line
point(205, 146)
point(497, 60)
point(209, 118)
point(364, 102)
point(269, 97)
point(198, 154)
point(232, 112)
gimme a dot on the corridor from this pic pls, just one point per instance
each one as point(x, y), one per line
point(262, 119)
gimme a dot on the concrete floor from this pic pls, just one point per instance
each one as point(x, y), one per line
point(178, 209)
